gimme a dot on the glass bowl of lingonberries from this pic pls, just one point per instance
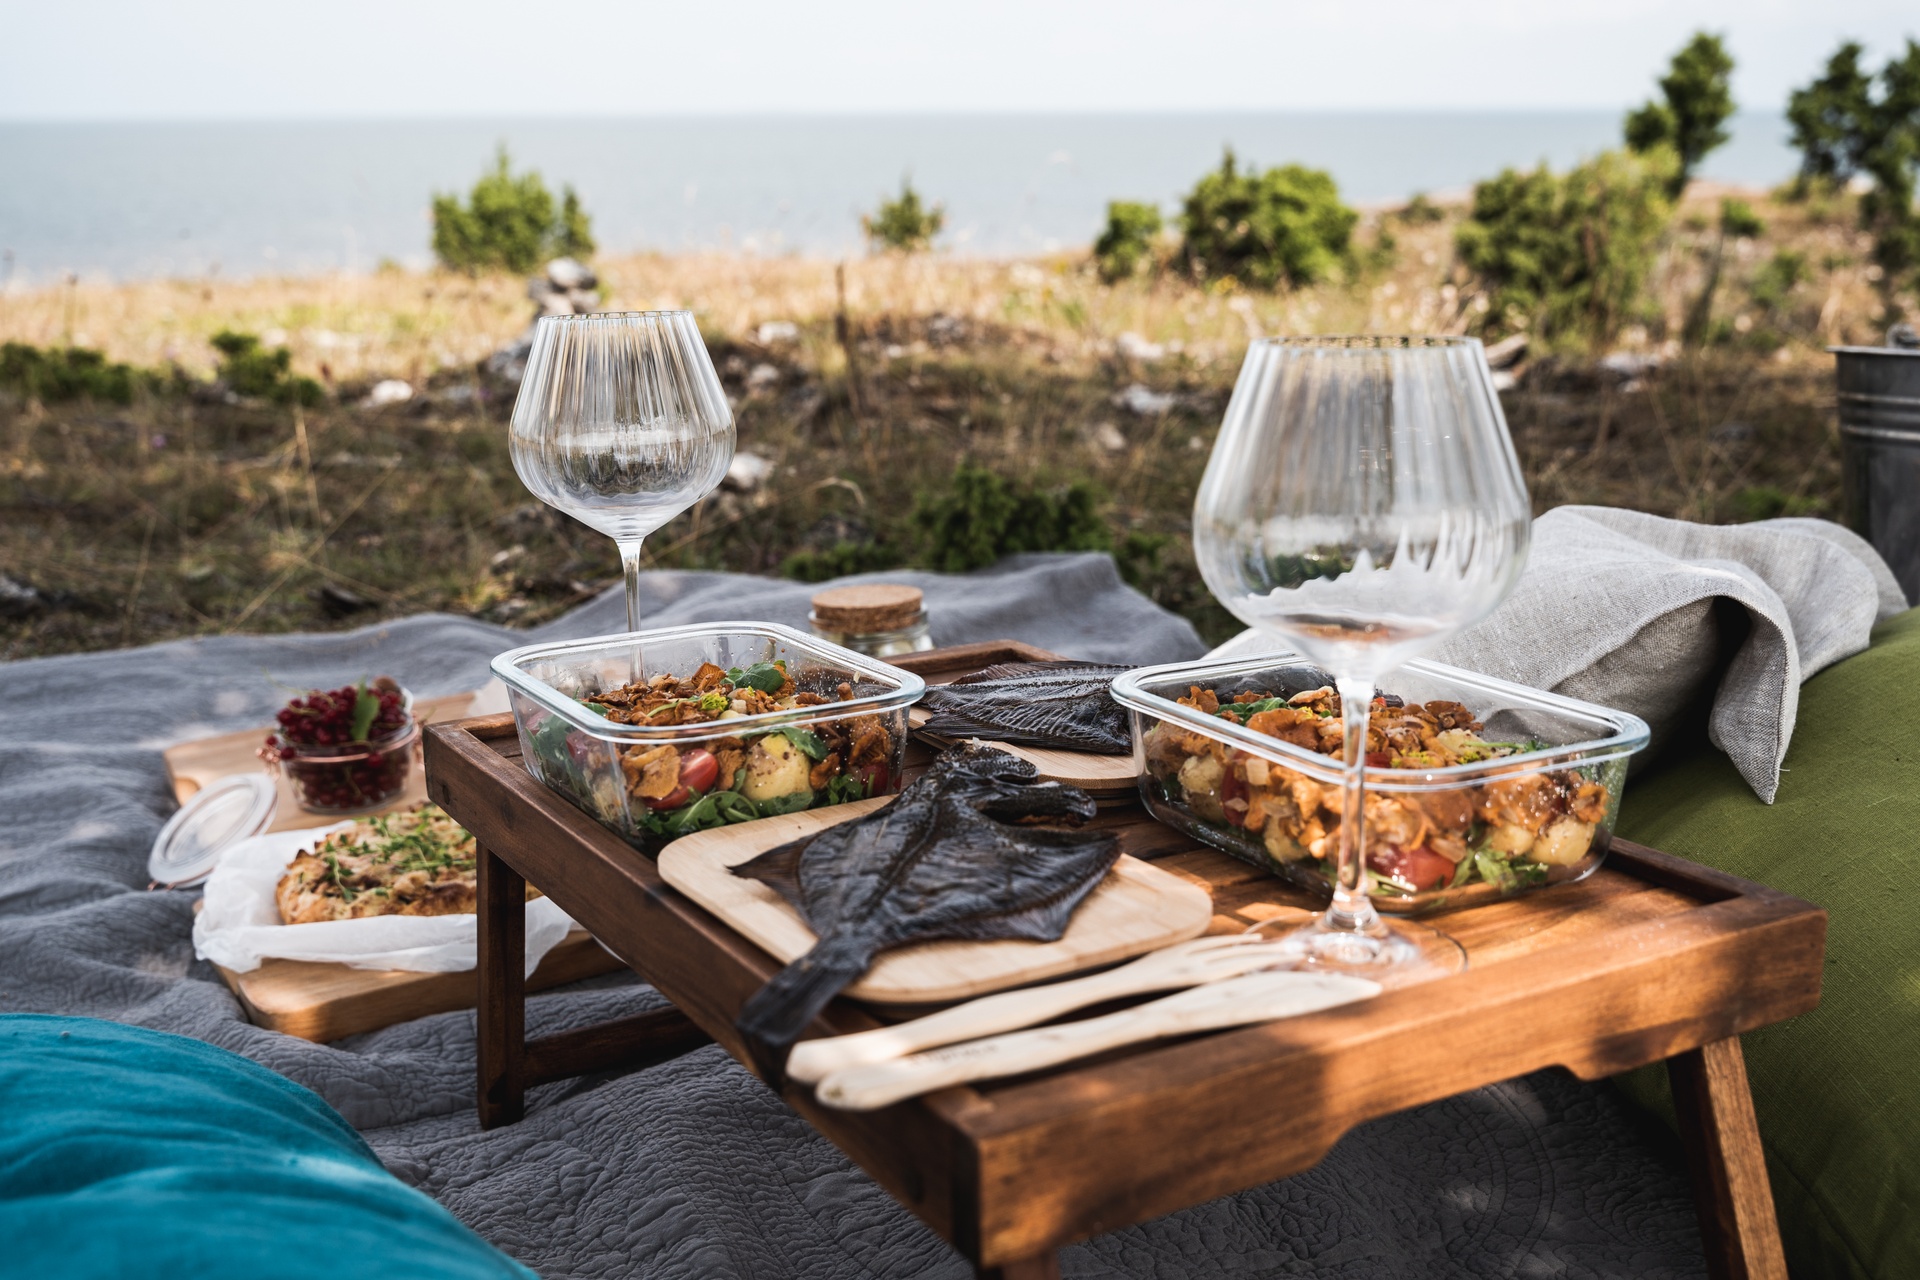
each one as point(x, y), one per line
point(346, 750)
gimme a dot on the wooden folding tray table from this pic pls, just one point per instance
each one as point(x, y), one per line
point(1652, 958)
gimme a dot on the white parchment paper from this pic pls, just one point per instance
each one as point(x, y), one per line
point(239, 924)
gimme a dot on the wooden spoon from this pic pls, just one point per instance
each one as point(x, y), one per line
point(1186, 964)
point(1256, 997)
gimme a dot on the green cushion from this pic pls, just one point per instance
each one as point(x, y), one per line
point(126, 1152)
point(1838, 1090)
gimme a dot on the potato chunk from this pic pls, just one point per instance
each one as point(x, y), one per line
point(775, 767)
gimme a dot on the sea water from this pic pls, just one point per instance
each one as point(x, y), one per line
point(243, 199)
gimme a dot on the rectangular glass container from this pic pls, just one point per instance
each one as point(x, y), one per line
point(1520, 821)
point(791, 758)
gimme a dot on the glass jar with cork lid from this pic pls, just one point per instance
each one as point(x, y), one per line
point(879, 619)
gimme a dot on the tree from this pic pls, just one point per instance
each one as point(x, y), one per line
point(1696, 100)
point(1568, 256)
point(509, 221)
point(1283, 226)
point(1127, 240)
point(904, 225)
point(1845, 128)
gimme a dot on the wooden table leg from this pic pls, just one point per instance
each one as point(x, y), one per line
point(1726, 1163)
point(1046, 1266)
point(500, 1095)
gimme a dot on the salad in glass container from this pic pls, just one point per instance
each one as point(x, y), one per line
point(1477, 788)
point(728, 723)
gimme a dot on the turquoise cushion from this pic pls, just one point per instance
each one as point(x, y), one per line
point(1837, 1091)
point(126, 1152)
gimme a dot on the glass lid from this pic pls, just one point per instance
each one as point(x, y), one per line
point(216, 818)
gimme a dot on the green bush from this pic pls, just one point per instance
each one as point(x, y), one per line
point(248, 369)
point(1849, 122)
point(983, 517)
point(1567, 256)
point(1775, 281)
point(1696, 100)
point(1420, 211)
point(904, 224)
point(67, 373)
point(1738, 221)
point(509, 222)
point(1282, 226)
point(1127, 240)
point(839, 560)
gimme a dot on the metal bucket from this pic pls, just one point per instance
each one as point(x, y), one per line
point(1879, 392)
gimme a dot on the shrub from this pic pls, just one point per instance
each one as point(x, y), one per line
point(1696, 100)
point(1738, 221)
point(1844, 127)
point(509, 222)
point(1773, 284)
point(1420, 211)
point(249, 369)
point(904, 224)
point(1568, 256)
point(839, 560)
point(1283, 226)
point(66, 373)
point(1127, 240)
point(983, 517)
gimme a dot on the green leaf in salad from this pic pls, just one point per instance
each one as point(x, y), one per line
point(846, 788)
point(366, 708)
point(767, 677)
point(794, 803)
point(806, 740)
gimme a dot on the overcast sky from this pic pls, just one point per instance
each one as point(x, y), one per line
point(227, 59)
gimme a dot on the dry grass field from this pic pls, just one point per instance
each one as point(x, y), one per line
point(192, 513)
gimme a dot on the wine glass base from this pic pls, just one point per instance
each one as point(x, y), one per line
point(1394, 953)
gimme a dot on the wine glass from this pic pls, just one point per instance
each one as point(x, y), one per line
point(1363, 503)
point(622, 424)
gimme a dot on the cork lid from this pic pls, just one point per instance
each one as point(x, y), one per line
point(866, 608)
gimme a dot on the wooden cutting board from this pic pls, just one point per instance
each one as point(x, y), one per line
point(1136, 909)
point(322, 1002)
point(1097, 775)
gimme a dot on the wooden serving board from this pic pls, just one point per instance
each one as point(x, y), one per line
point(1095, 774)
point(322, 1002)
point(1137, 908)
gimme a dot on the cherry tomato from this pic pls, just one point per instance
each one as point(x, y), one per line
point(875, 775)
point(580, 746)
point(672, 800)
point(1234, 787)
point(1421, 867)
point(698, 769)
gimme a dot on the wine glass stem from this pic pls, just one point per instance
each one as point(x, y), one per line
point(630, 570)
point(1352, 910)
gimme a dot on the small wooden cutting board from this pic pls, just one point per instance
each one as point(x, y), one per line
point(1136, 909)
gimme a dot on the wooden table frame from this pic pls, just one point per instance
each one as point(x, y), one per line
point(1653, 958)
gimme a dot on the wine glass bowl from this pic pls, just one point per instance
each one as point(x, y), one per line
point(1362, 504)
point(622, 424)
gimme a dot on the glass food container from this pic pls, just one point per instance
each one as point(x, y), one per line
point(849, 747)
point(1439, 838)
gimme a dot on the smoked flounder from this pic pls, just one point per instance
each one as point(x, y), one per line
point(1065, 705)
point(946, 858)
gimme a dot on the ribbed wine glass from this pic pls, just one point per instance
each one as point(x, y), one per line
point(622, 424)
point(1363, 504)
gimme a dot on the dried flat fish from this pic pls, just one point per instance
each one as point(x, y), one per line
point(1067, 706)
point(950, 857)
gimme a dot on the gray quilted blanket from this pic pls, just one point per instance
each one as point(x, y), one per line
point(692, 1168)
